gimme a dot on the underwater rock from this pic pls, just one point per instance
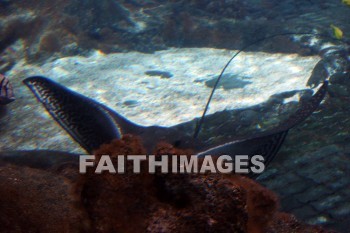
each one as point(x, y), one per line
point(179, 202)
point(50, 42)
point(232, 9)
point(154, 202)
point(34, 200)
point(338, 91)
point(286, 223)
point(5, 3)
point(314, 188)
point(16, 26)
point(11, 55)
point(340, 78)
point(336, 60)
point(114, 26)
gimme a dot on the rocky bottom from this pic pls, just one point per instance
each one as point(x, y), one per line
point(59, 199)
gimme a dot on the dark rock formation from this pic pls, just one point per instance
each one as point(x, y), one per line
point(64, 28)
point(60, 200)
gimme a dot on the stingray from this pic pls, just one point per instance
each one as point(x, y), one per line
point(93, 124)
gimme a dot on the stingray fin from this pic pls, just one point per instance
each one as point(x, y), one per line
point(83, 118)
point(305, 110)
point(268, 144)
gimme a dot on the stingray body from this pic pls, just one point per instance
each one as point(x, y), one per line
point(92, 124)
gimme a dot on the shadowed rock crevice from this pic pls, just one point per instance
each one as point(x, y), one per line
point(64, 28)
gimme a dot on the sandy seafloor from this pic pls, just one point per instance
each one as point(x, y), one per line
point(119, 81)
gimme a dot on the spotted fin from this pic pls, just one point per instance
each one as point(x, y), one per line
point(74, 113)
point(6, 91)
point(268, 143)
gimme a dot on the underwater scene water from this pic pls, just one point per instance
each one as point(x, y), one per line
point(175, 77)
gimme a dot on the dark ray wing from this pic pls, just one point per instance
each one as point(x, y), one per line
point(262, 145)
point(305, 110)
point(6, 91)
point(270, 149)
point(267, 144)
point(83, 118)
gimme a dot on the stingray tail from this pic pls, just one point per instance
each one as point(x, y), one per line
point(306, 109)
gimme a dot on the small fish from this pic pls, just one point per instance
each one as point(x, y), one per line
point(6, 91)
point(346, 2)
point(337, 32)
